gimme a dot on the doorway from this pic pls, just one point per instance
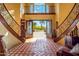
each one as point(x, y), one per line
point(39, 28)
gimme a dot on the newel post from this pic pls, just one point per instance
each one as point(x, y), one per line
point(1, 47)
point(22, 28)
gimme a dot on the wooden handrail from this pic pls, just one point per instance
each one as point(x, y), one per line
point(73, 23)
point(1, 46)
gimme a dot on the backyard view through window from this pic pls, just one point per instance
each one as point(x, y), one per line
point(39, 25)
point(41, 28)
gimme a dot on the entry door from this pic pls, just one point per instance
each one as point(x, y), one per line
point(48, 28)
point(29, 27)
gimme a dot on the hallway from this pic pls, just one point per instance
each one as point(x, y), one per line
point(36, 47)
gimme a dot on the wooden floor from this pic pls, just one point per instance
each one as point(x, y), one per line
point(39, 47)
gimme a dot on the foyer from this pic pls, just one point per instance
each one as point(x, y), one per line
point(39, 29)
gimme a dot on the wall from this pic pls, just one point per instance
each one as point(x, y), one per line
point(14, 9)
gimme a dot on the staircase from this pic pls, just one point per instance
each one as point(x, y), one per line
point(71, 20)
point(8, 21)
point(69, 23)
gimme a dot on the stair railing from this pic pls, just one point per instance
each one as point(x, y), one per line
point(70, 21)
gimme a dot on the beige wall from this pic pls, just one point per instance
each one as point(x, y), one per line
point(16, 12)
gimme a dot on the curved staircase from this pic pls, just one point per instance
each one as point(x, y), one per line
point(71, 20)
point(68, 24)
point(8, 21)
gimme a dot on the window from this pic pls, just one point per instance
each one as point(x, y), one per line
point(39, 8)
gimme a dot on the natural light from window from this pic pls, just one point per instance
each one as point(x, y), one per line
point(39, 8)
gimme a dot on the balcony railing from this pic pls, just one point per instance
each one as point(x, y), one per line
point(37, 10)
